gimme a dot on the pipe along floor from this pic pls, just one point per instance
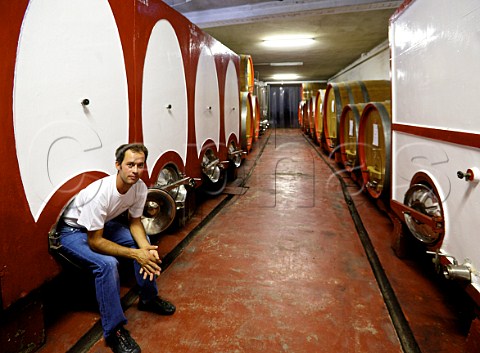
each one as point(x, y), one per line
point(293, 257)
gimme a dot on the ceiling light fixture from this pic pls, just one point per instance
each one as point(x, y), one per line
point(288, 42)
point(288, 63)
point(285, 76)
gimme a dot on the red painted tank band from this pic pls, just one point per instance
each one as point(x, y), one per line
point(457, 137)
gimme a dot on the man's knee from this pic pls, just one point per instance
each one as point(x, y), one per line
point(108, 264)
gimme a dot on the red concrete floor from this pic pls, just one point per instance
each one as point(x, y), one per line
point(281, 268)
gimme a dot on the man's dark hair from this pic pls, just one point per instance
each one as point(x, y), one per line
point(134, 147)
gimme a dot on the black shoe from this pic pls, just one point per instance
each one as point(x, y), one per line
point(120, 341)
point(158, 306)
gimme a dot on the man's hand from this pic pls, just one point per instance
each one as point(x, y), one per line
point(149, 261)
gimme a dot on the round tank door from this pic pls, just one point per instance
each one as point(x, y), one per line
point(164, 95)
point(207, 102)
point(70, 99)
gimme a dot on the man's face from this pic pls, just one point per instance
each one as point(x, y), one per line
point(132, 167)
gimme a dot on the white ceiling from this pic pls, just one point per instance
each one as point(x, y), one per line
point(343, 30)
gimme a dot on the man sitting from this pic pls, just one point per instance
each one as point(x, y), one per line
point(92, 236)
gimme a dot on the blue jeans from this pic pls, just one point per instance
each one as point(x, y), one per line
point(105, 269)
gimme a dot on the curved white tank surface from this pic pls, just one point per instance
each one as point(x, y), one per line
point(232, 103)
point(164, 104)
point(435, 113)
point(69, 52)
point(207, 101)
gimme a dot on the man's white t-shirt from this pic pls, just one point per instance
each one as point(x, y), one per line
point(101, 202)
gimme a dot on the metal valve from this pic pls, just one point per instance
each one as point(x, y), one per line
point(453, 271)
point(461, 175)
point(472, 174)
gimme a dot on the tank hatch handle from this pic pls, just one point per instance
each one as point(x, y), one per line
point(472, 174)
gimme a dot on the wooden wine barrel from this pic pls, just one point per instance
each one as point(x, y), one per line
point(256, 117)
point(374, 154)
point(311, 117)
point(300, 114)
point(306, 121)
point(348, 138)
point(308, 117)
point(247, 75)
point(337, 95)
point(246, 121)
point(318, 118)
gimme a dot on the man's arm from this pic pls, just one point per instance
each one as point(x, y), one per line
point(99, 244)
point(144, 256)
point(138, 232)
